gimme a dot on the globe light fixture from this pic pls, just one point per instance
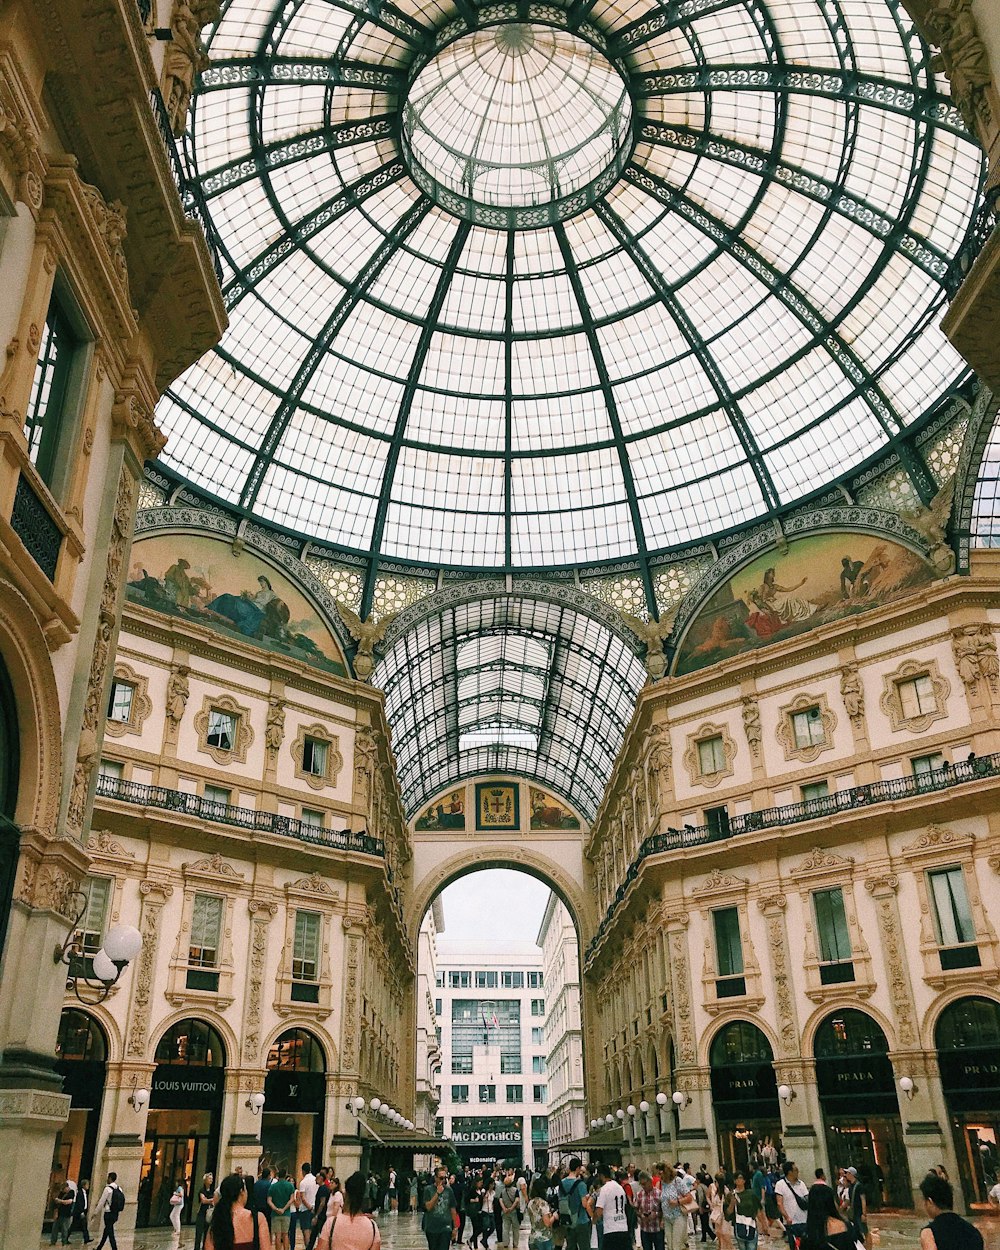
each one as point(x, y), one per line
point(620, 1114)
point(256, 1103)
point(609, 1119)
point(661, 1099)
point(123, 943)
point(906, 1085)
point(630, 1109)
point(786, 1094)
point(680, 1099)
point(644, 1106)
point(96, 975)
point(375, 1104)
point(139, 1095)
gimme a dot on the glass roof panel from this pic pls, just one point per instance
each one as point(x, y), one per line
point(510, 290)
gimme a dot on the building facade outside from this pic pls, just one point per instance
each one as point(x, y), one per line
point(490, 999)
point(427, 1066)
point(560, 945)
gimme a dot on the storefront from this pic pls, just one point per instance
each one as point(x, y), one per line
point(295, 1101)
point(968, 1045)
point(185, 1115)
point(479, 1140)
point(744, 1094)
point(857, 1094)
point(82, 1052)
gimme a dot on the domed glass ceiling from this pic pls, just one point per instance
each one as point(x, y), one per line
point(489, 311)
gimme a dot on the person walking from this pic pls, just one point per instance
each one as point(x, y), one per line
point(857, 1206)
point(206, 1200)
point(63, 1215)
point(649, 1213)
point(279, 1203)
point(81, 1211)
point(265, 1177)
point(176, 1208)
point(347, 1225)
point(474, 1206)
point(673, 1193)
point(946, 1230)
point(793, 1202)
point(746, 1212)
point(510, 1197)
point(826, 1229)
point(235, 1225)
point(610, 1210)
point(541, 1217)
point(573, 1209)
point(305, 1199)
point(718, 1196)
point(110, 1205)
point(439, 1206)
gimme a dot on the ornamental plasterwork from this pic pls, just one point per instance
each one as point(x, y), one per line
point(891, 701)
point(313, 884)
point(212, 866)
point(820, 861)
point(823, 869)
point(716, 891)
point(954, 852)
point(974, 648)
point(20, 146)
point(334, 760)
point(101, 842)
point(141, 703)
point(242, 735)
point(692, 758)
point(937, 844)
point(785, 733)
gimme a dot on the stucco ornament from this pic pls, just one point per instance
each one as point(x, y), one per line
point(931, 523)
point(751, 724)
point(274, 731)
point(178, 689)
point(652, 634)
point(852, 692)
point(366, 634)
point(966, 62)
point(975, 650)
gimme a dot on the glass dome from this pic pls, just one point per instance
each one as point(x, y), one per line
point(523, 286)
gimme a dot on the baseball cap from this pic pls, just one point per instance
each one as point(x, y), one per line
point(853, 1171)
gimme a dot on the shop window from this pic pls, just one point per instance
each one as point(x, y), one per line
point(515, 1093)
point(203, 946)
point(728, 953)
point(512, 980)
point(305, 957)
point(538, 1006)
point(487, 1093)
point(538, 1064)
point(486, 980)
point(296, 1051)
point(192, 1043)
point(956, 931)
point(537, 1035)
point(849, 1034)
point(539, 1093)
point(807, 728)
point(739, 1042)
point(80, 1038)
point(460, 1093)
point(55, 391)
point(536, 980)
point(711, 756)
point(836, 966)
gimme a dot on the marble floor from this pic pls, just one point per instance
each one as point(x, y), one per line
point(402, 1232)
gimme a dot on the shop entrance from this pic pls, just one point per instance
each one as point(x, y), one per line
point(185, 1114)
point(857, 1094)
point(82, 1051)
point(291, 1128)
point(744, 1096)
point(968, 1044)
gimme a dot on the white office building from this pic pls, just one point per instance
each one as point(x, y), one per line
point(563, 1033)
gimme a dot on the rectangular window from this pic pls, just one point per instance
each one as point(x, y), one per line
point(539, 1128)
point(512, 980)
point(487, 1093)
point(951, 905)
point(437, 1006)
point(90, 934)
point(834, 936)
point(538, 1006)
point(807, 728)
point(711, 756)
point(120, 702)
point(459, 980)
point(461, 1063)
point(206, 926)
point(536, 980)
point(538, 1064)
point(218, 794)
point(813, 790)
point(539, 1093)
point(439, 980)
point(537, 1035)
point(460, 1093)
point(221, 730)
point(315, 753)
point(305, 947)
point(916, 696)
point(510, 1065)
point(924, 765)
point(486, 980)
point(114, 769)
point(717, 821)
point(515, 1093)
point(311, 818)
point(45, 416)
point(728, 952)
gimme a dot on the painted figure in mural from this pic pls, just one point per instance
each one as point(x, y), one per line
point(261, 615)
point(783, 602)
point(178, 584)
point(853, 582)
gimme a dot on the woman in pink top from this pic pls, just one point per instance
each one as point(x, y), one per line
point(232, 1224)
point(350, 1228)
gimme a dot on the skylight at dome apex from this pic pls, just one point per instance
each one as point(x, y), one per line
point(517, 286)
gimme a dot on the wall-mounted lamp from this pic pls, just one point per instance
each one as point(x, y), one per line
point(139, 1095)
point(121, 945)
point(355, 1105)
point(786, 1094)
point(906, 1085)
point(620, 1113)
point(680, 1099)
point(594, 1125)
point(375, 1104)
point(256, 1103)
point(630, 1109)
point(661, 1099)
point(609, 1119)
point(644, 1106)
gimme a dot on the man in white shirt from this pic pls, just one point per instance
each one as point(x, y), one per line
point(307, 1201)
point(611, 1210)
point(793, 1199)
point(106, 1206)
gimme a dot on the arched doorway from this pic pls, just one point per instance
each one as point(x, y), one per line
point(967, 1037)
point(81, 1060)
point(185, 1115)
point(744, 1093)
point(295, 1091)
point(857, 1094)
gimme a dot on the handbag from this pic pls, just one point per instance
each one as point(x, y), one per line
point(746, 1228)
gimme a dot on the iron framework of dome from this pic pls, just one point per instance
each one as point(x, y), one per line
point(720, 309)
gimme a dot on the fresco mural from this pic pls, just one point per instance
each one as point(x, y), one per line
point(447, 812)
point(202, 580)
point(549, 813)
point(497, 806)
point(821, 578)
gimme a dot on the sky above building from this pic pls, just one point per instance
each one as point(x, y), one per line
point(496, 904)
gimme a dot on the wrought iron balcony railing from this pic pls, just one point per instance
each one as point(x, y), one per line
point(855, 799)
point(248, 818)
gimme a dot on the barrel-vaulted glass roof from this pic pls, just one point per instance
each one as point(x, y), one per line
point(469, 328)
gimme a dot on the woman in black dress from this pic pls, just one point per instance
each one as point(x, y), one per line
point(825, 1230)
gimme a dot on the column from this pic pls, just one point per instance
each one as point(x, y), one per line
point(696, 1112)
point(121, 1150)
point(240, 1138)
point(924, 1113)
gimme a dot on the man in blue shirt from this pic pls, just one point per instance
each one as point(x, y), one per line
point(573, 1188)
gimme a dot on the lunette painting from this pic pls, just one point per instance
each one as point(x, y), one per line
point(446, 812)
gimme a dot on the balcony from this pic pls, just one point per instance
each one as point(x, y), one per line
point(247, 818)
point(858, 798)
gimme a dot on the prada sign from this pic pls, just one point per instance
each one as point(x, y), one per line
point(745, 1084)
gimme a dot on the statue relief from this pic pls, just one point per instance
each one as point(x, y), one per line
point(178, 689)
point(185, 60)
point(852, 692)
point(975, 652)
point(952, 27)
point(751, 724)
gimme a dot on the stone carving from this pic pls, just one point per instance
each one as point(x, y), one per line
point(216, 866)
point(935, 836)
point(366, 634)
point(718, 881)
point(185, 59)
point(365, 764)
point(751, 724)
point(852, 692)
point(93, 708)
point(132, 418)
point(883, 891)
point(274, 731)
point(773, 908)
point(110, 222)
point(931, 523)
point(178, 690)
point(658, 761)
point(349, 1052)
point(20, 147)
point(313, 884)
point(154, 895)
point(952, 27)
point(680, 985)
point(819, 860)
point(652, 634)
point(261, 914)
point(975, 650)
point(101, 842)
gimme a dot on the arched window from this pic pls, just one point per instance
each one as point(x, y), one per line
point(296, 1050)
point(80, 1037)
point(968, 1023)
point(739, 1042)
point(849, 1033)
point(191, 1042)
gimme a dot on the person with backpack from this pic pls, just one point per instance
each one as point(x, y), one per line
point(573, 1215)
point(110, 1204)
